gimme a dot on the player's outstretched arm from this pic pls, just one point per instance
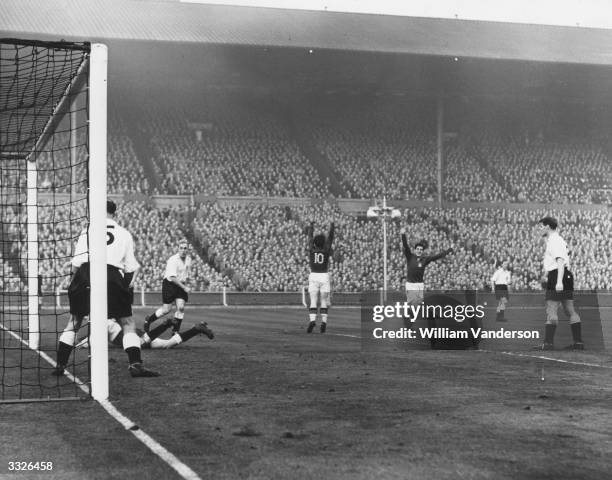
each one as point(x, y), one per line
point(440, 255)
point(405, 245)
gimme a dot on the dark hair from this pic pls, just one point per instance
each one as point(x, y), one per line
point(319, 240)
point(111, 207)
point(421, 243)
point(550, 222)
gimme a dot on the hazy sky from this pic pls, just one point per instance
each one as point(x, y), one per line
point(583, 13)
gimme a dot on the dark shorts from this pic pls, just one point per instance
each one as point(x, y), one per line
point(171, 291)
point(119, 295)
point(78, 292)
point(501, 291)
point(568, 286)
point(119, 298)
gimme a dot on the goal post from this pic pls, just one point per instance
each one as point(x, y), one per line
point(97, 227)
point(53, 101)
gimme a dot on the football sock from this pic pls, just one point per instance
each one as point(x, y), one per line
point(192, 332)
point(133, 354)
point(576, 332)
point(549, 333)
point(176, 324)
point(324, 315)
point(118, 340)
point(312, 314)
point(131, 345)
point(63, 353)
point(157, 331)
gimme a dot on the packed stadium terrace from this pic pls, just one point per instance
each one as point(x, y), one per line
point(244, 150)
point(542, 171)
point(250, 148)
point(258, 247)
point(238, 145)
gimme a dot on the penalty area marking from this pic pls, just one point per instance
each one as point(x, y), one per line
point(183, 470)
point(542, 357)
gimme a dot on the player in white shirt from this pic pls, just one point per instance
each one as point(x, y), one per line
point(174, 289)
point(500, 281)
point(122, 269)
point(559, 285)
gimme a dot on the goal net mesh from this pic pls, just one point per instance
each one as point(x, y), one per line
point(44, 182)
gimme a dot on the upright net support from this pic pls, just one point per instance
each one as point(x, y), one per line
point(32, 256)
point(46, 201)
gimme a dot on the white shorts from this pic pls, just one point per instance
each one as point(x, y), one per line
point(415, 286)
point(415, 292)
point(318, 282)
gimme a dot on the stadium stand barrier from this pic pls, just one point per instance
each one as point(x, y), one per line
point(233, 298)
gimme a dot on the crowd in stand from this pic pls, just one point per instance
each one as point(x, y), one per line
point(260, 247)
point(245, 147)
point(157, 233)
point(546, 172)
point(229, 148)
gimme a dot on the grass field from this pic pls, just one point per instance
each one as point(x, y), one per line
point(265, 400)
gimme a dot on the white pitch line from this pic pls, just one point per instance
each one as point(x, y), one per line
point(343, 335)
point(542, 357)
point(183, 470)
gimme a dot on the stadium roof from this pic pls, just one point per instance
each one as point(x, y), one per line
point(173, 21)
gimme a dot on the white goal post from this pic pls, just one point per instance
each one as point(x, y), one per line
point(97, 229)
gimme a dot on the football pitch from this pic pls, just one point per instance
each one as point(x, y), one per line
point(266, 400)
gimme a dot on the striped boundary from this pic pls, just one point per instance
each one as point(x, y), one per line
point(183, 470)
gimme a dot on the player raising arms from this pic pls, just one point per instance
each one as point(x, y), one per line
point(416, 267)
point(319, 287)
point(174, 289)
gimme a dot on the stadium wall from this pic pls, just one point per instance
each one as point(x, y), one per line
point(348, 206)
point(353, 299)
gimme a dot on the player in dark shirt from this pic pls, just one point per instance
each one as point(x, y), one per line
point(319, 284)
point(416, 263)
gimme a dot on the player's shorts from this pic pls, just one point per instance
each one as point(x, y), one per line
point(119, 298)
point(171, 291)
point(415, 292)
point(119, 295)
point(568, 286)
point(78, 292)
point(501, 291)
point(319, 282)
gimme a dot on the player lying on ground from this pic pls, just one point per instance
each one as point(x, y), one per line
point(174, 288)
point(319, 283)
point(151, 339)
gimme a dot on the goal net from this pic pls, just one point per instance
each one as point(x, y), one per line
point(45, 203)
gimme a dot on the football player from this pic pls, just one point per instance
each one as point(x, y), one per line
point(122, 268)
point(151, 339)
point(174, 288)
point(319, 285)
point(416, 263)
